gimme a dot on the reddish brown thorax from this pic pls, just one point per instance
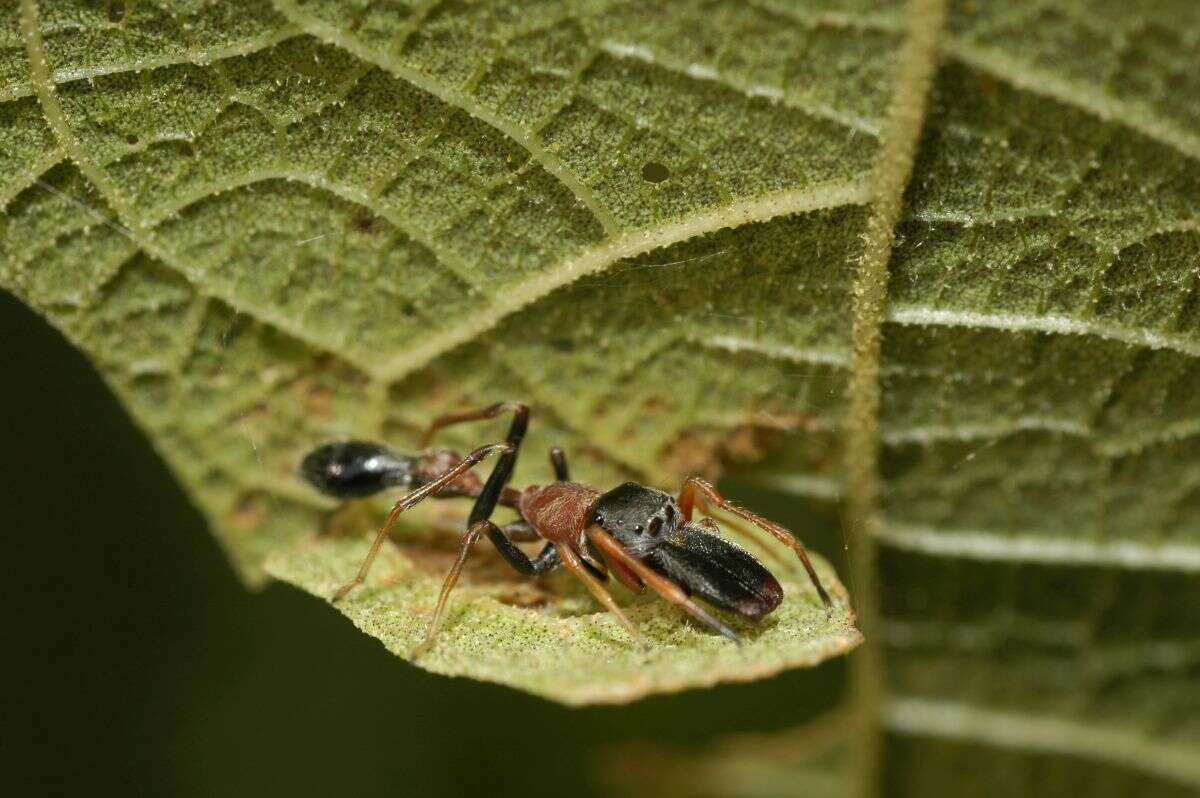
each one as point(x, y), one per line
point(558, 511)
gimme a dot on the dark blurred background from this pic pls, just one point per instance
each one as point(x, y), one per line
point(137, 662)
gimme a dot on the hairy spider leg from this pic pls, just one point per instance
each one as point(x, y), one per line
point(596, 588)
point(464, 548)
point(750, 534)
point(480, 518)
point(660, 584)
point(408, 500)
point(547, 560)
point(491, 411)
point(520, 412)
point(495, 490)
point(697, 491)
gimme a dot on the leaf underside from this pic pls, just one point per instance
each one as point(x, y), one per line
point(273, 224)
point(547, 638)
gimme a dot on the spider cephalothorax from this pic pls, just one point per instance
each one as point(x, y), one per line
point(638, 516)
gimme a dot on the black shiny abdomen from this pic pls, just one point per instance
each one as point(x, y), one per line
point(353, 469)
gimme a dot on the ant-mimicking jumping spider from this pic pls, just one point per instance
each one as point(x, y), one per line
point(642, 536)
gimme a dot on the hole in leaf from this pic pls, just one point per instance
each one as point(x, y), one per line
point(655, 172)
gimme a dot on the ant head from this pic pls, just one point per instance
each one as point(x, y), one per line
point(640, 517)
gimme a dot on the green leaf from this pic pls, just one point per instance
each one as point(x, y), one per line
point(549, 639)
point(1095, 663)
point(272, 224)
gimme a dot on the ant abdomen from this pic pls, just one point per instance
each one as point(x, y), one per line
point(353, 469)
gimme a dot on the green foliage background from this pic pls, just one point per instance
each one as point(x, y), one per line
point(268, 224)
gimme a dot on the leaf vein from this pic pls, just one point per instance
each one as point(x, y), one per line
point(917, 64)
point(198, 57)
point(56, 119)
point(982, 544)
point(1102, 105)
point(912, 314)
point(454, 97)
point(818, 110)
point(955, 720)
point(595, 259)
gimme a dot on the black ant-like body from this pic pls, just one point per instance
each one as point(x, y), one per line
point(643, 537)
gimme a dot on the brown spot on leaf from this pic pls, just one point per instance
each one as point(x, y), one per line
point(318, 400)
point(528, 594)
point(248, 512)
point(692, 455)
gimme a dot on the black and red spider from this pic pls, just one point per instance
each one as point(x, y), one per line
point(642, 536)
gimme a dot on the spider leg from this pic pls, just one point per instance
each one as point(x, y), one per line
point(480, 522)
point(558, 459)
point(410, 499)
point(486, 499)
point(657, 582)
point(520, 531)
point(750, 534)
point(577, 567)
point(545, 561)
point(448, 584)
point(697, 489)
point(491, 411)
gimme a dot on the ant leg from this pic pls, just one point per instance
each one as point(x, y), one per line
point(491, 411)
point(547, 560)
point(657, 582)
point(520, 531)
point(410, 499)
point(577, 567)
point(708, 494)
point(485, 504)
point(558, 459)
point(494, 489)
point(761, 547)
point(448, 584)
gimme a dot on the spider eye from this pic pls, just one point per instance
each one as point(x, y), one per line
point(599, 519)
point(637, 530)
point(655, 526)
